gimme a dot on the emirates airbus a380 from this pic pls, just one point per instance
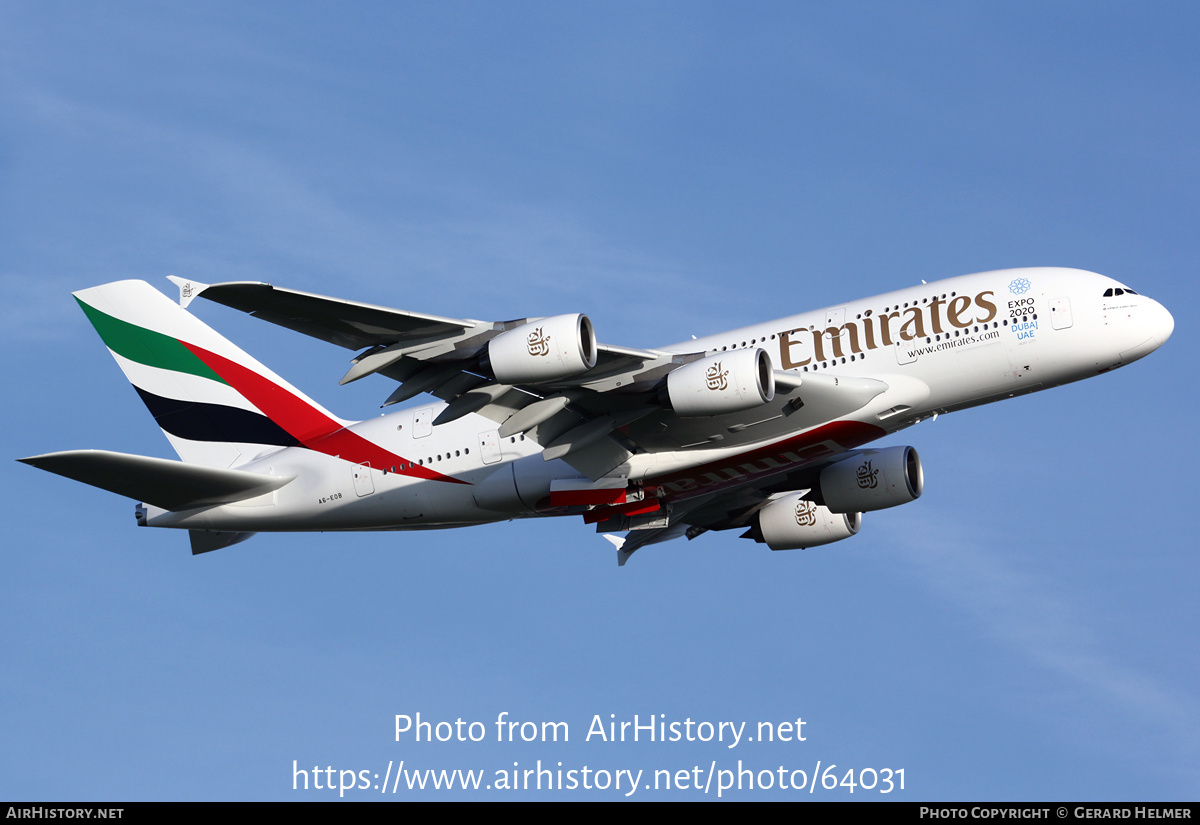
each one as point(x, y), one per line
point(761, 429)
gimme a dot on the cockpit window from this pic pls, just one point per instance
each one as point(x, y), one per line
point(1112, 292)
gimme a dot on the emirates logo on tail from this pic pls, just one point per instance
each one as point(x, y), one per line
point(538, 344)
point(717, 380)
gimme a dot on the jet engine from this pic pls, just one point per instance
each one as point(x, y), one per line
point(872, 480)
point(793, 522)
point(545, 350)
point(725, 383)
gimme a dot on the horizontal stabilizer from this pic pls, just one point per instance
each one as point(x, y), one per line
point(172, 485)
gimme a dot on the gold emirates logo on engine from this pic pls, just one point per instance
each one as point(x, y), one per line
point(806, 513)
point(871, 330)
point(538, 344)
point(717, 380)
point(867, 478)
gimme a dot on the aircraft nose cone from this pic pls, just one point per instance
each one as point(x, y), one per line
point(1160, 321)
point(1154, 326)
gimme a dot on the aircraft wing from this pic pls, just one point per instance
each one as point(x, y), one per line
point(348, 324)
point(355, 325)
point(594, 416)
point(731, 510)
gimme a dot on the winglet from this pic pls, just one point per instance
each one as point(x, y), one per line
point(187, 289)
point(205, 541)
point(619, 542)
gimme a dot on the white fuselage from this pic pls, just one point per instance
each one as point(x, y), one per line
point(939, 347)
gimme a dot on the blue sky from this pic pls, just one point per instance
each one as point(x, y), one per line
point(1027, 630)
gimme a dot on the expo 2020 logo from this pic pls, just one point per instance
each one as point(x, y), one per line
point(1020, 286)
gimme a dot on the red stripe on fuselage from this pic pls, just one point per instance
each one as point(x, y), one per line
point(306, 423)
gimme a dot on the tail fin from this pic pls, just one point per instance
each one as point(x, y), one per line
point(216, 405)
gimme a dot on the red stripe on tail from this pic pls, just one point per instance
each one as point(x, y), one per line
point(308, 425)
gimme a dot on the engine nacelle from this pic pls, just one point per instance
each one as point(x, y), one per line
point(872, 480)
point(547, 350)
point(793, 522)
point(725, 383)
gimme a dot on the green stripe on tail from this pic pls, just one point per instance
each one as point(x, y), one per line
point(146, 346)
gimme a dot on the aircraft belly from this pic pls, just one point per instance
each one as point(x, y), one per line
point(410, 505)
point(762, 462)
point(967, 374)
point(810, 434)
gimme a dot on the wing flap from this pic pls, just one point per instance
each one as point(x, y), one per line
point(172, 485)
